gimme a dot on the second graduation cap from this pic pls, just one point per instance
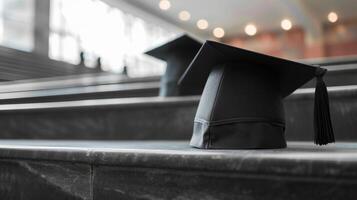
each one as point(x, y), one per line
point(241, 105)
point(178, 54)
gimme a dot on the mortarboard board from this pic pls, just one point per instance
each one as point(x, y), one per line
point(178, 54)
point(241, 104)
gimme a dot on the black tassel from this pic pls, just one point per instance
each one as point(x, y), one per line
point(322, 120)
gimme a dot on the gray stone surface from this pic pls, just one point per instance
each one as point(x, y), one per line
point(77, 87)
point(138, 183)
point(329, 61)
point(23, 179)
point(159, 118)
point(338, 75)
point(71, 81)
point(123, 90)
point(173, 170)
point(19, 65)
point(299, 109)
point(106, 85)
point(135, 118)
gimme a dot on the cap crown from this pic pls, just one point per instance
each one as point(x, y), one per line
point(290, 75)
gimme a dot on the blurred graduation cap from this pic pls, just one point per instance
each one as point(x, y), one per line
point(241, 105)
point(178, 54)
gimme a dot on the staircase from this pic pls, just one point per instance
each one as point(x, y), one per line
point(19, 65)
point(92, 143)
point(78, 87)
point(173, 170)
point(159, 118)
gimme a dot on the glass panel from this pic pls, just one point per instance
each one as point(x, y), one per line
point(55, 46)
point(101, 31)
point(16, 24)
point(70, 49)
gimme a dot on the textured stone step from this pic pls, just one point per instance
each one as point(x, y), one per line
point(172, 170)
point(328, 61)
point(125, 118)
point(115, 86)
point(123, 90)
point(159, 118)
point(106, 85)
point(61, 82)
point(79, 87)
point(338, 75)
point(17, 65)
point(299, 109)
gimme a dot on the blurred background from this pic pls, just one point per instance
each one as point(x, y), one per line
point(119, 31)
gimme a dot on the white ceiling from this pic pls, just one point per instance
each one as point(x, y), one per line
point(233, 15)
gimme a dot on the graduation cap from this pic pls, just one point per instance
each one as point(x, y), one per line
point(178, 54)
point(241, 105)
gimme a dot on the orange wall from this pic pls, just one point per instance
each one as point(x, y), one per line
point(288, 45)
point(339, 40)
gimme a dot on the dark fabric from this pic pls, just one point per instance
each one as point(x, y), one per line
point(244, 135)
point(322, 119)
point(176, 66)
point(240, 99)
point(164, 51)
point(241, 104)
point(178, 55)
point(291, 75)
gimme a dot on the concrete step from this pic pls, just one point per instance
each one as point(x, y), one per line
point(338, 75)
point(32, 59)
point(172, 170)
point(70, 92)
point(115, 86)
point(24, 65)
point(159, 118)
point(78, 87)
point(122, 90)
point(40, 83)
point(299, 109)
point(124, 118)
point(71, 81)
point(328, 61)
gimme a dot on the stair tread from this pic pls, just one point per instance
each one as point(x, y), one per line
point(140, 100)
point(80, 90)
point(95, 103)
point(300, 158)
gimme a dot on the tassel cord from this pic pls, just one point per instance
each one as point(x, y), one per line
point(322, 119)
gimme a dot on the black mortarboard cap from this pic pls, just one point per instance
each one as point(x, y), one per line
point(178, 54)
point(241, 104)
